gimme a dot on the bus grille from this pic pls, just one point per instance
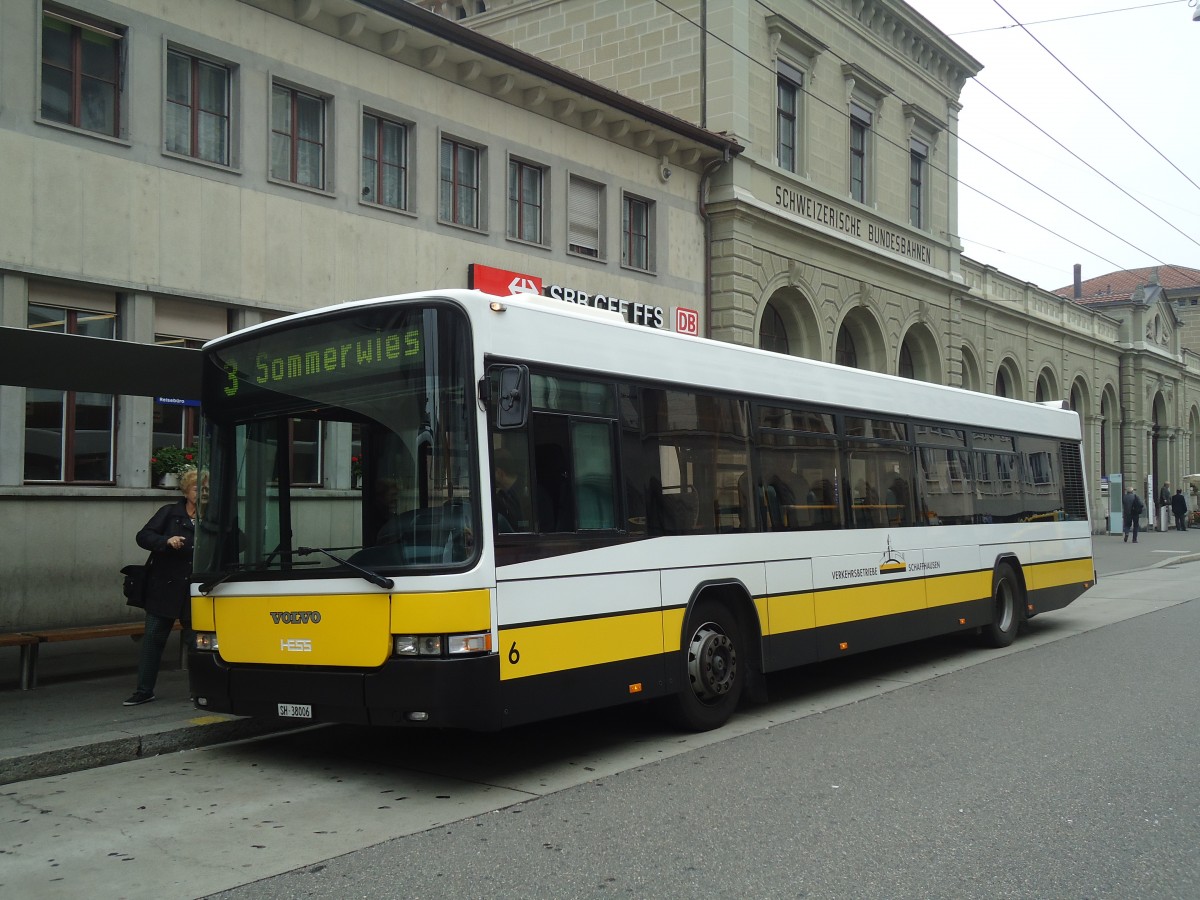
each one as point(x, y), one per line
point(1074, 496)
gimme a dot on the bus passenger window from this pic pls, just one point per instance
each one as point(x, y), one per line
point(510, 464)
point(591, 444)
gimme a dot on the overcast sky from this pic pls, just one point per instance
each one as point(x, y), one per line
point(1141, 58)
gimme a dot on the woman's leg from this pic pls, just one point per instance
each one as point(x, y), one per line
point(158, 629)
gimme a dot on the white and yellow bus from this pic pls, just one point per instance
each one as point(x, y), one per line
point(554, 511)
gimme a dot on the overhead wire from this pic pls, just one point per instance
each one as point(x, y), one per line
point(1102, 12)
point(1067, 149)
point(1089, 89)
point(952, 176)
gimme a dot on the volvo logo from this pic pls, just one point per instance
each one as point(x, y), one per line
point(296, 618)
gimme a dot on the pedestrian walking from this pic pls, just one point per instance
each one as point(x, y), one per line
point(1131, 513)
point(1179, 507)
point(169, 536)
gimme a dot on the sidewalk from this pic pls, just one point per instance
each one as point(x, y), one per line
point(74, 719)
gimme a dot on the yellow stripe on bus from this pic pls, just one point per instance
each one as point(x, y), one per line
point(961, 587)
point(1057, 574)
point(790, 612)
point(869, 601)
point(558, 646)
point(444, 613)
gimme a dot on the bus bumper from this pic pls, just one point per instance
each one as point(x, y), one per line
point(425, 693)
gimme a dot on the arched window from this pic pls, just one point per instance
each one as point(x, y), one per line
point(772, 333)
point(904, 367)
point(1003, 387)
point(845, 354)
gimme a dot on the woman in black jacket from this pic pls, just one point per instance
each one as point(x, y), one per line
point(169, 536)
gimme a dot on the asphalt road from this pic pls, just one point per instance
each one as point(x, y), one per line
point(1064, 766)
point(1065, 771)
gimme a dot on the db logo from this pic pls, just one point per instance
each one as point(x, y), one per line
point(687, 321)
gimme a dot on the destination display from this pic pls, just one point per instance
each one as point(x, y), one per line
point(294, 359)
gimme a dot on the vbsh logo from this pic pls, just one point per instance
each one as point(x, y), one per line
point(296, 618)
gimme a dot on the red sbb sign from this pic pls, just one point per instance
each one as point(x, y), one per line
point(501, 282)
point(687, 321)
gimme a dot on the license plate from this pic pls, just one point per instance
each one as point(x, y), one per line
point(295, 710)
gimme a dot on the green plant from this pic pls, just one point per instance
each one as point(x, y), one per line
point(167, 460)
point(356, 465)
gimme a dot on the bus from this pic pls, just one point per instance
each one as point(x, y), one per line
point(526, 508)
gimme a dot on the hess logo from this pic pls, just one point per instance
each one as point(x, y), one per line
point(295, 645)
point(296, 618)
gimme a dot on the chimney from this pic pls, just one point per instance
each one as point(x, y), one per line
point(1078, 281)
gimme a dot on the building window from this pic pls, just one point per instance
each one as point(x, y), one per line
point(305, 442)
point(525, 193)
point(69, 434)
point(904, 366)
point(845, 353)
point(585, 225)
point(384, 162)
point(297, 137)
point(637, 249)
point(81, 73)
point(789, 90)
point(918, 154)
point(459, 198)
point(772, 332)
point(860, 130)
point(198, 105)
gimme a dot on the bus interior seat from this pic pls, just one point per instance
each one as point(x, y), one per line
point(595, 508)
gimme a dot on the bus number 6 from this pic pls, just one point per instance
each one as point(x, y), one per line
point(514, 655)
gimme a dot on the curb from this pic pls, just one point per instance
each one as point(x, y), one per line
point(64, 760)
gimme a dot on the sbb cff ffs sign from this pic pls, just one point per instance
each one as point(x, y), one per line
point(501, 282)
point(687, 321)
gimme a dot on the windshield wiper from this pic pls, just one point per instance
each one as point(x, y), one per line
point(373, 577)
point(207, 586)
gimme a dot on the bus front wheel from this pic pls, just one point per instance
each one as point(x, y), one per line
point(715, 672)
point(1006, 608)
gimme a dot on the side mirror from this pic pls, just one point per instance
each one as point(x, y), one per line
point(512, 400)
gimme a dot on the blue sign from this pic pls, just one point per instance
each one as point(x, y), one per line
point(175, 401)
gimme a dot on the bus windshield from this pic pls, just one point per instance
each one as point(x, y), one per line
point(340, 444)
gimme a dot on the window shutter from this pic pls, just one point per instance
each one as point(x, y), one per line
point(583, 215)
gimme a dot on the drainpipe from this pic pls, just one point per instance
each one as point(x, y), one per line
point(705, 176)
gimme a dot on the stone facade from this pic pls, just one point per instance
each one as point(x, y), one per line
point(867, 280)
point(107, 223)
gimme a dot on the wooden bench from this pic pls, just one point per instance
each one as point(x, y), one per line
point(30, 641)
point(28, 644)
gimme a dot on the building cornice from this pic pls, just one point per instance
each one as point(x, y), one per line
point(424, 40)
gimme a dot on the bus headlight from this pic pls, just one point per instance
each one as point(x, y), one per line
point(417, 644)
point(437, 644)
point(206, 640)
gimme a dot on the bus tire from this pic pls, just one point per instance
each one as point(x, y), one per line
point(714, 668)
point(1006, 608)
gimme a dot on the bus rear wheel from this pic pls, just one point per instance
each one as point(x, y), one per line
point(714, 674)
point(1006, 608)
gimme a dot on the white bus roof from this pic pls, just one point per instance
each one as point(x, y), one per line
point(540, 330)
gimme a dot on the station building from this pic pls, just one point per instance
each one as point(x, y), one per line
point(175, 170)
point(835, 235)
point(779, 177)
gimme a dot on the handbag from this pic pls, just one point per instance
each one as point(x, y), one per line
point(134, 585)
